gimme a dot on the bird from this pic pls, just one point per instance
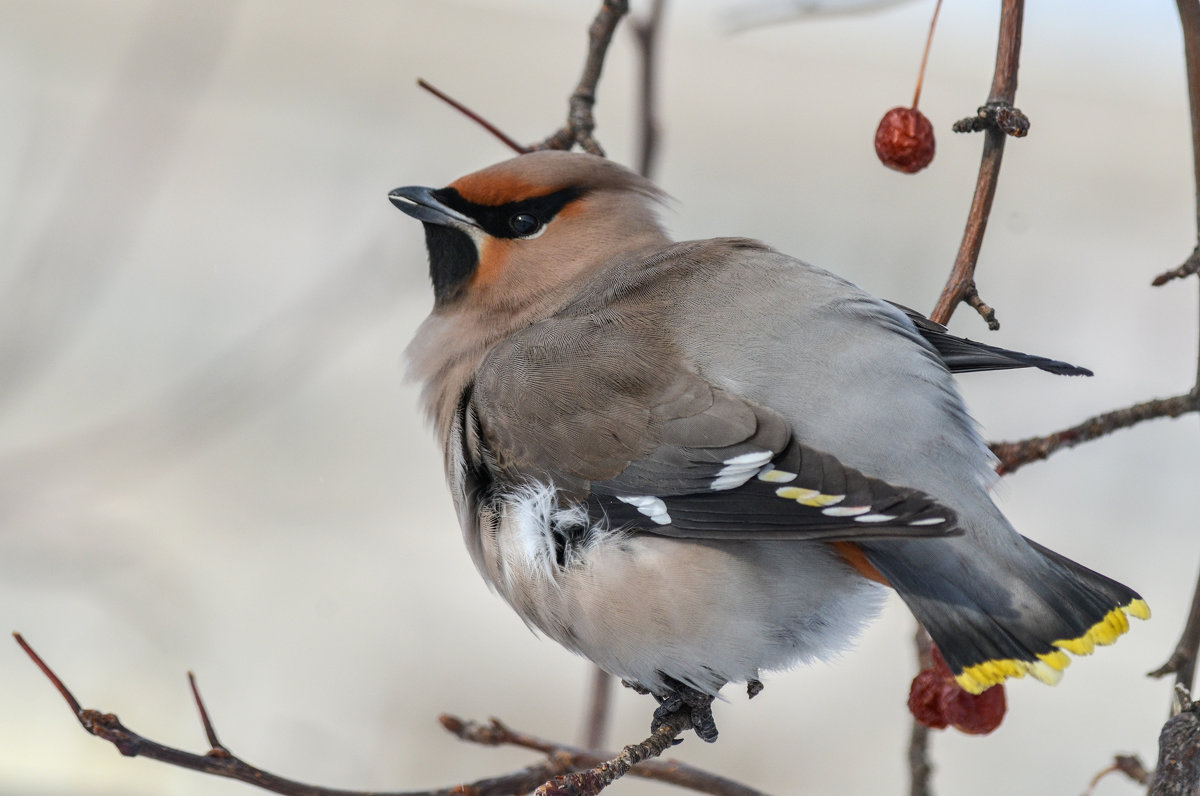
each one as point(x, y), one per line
point(695, 462)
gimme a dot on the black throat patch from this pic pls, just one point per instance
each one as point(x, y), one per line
point(452, 259)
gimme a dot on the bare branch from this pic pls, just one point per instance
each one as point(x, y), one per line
point(561, 759)
point(961, 285)
point(1014, 455)
point(580, 122)
point(473, 116)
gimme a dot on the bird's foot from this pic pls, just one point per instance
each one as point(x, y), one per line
point(697, 705)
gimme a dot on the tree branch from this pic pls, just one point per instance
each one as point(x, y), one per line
point(580, 122)
point(561, 759)
point(1014, 455)
point(997, 119)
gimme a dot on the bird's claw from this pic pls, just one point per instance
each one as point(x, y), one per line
point(697, 705)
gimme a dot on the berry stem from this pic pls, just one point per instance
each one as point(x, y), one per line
point(925, 55)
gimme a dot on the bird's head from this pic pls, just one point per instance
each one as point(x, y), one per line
point(510, 235)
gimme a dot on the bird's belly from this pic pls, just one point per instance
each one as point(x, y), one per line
point(701, 612)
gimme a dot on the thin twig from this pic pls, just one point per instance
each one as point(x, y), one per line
point(580, 122)
point(210, 732)
point(919, 768)
point(473, 116)
point(1014, 455)
point(961, 285)
point(925, 54)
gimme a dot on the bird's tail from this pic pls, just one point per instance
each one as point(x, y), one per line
point(995, 617)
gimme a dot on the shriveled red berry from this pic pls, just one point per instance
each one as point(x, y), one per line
point(925, 699)
point(976, 714)
point(937, 701)
point(904, 140)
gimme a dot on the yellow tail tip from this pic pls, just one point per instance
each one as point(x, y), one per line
point(1049, 666)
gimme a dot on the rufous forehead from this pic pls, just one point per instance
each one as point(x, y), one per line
point(484, 188)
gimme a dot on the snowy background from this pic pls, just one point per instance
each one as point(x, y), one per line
point(210, 460)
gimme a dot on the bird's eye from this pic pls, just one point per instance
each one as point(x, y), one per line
point(523, 225)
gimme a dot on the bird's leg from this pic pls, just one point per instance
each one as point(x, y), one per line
point(697, 704)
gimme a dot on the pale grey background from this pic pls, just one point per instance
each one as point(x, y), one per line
point(209, 458)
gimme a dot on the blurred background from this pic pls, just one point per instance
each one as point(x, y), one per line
point(210, 458)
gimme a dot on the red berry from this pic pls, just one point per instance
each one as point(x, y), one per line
point(904, 140)
point(976, 714)
point(936, 700)
point(925, 699)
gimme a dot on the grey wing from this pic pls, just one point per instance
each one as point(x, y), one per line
point(645, 443)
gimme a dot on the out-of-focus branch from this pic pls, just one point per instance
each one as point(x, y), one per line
point(1014, 455)
point(599, 710)
point(996, 119)
point(1189, 20)
point(591, 766)
point(580, 122)
point(919, 767)
point(125, 158)
point(646, 30)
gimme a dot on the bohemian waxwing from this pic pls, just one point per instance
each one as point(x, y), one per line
point(693, 462)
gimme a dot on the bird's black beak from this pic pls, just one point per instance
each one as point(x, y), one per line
point(423, 205)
